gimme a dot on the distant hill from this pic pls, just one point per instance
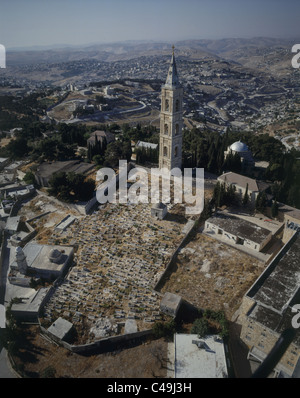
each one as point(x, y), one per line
point(101, 52)
point(254, 53)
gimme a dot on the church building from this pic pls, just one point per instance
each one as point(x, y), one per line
point(171, 121)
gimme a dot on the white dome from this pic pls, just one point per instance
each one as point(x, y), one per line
point(55, 255)
point(239, 146)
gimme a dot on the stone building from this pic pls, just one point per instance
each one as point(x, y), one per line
point(244, 153)
point(45, 170)
point(159, 210)
point(171, 121)
point(170, 304)
point(267, 310)
point(44, 261)
point(100, 136)
point(61, 329)
point(238, 232)
point(243, 183)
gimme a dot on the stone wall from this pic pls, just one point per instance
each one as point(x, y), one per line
point(168, 269)
point(104, 345)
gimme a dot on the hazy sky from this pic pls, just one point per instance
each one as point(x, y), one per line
point(41, 22)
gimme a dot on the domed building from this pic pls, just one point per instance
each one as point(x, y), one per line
point(55, 256)
point(44, 261)
point(244, 153)
point(239, 147)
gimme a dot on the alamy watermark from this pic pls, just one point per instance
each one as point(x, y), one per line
point(296, 49)
point(296, 318)
point(158, 185)
point(2, 56)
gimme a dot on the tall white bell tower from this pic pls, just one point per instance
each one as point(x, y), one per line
point(171, 121)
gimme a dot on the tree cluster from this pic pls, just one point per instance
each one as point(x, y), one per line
point(211, 322)
point(223, 195)
point(284, 173)
point(71, 187)
point(206, 150)
point(164, 329)
point(117, 150)
point(98, 149)
point(144, 155)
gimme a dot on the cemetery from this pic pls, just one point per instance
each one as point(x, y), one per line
point(120, 253)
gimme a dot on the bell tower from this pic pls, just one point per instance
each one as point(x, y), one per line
point(171, 121)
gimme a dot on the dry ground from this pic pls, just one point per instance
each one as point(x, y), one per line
point(212, 275)
point(147, 360)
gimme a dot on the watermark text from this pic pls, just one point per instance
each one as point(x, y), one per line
point(2, 56)
point(296, 49)
point(296, 318)
point(140, 186)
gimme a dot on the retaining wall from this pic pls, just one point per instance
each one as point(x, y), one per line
point(104, 345)
point(157, 287)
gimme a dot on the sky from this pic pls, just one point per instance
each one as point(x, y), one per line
point(26, 23)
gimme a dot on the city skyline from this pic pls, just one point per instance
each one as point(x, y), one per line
point(60, 23)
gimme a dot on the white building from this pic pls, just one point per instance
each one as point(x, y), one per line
point(237, 231)
point(243, 151)
point(243, 183)
point(195, 357)
point(159, 210)
point(44, 260)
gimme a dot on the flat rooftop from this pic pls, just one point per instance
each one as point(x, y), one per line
point(283, 282)
point(60, 328)
point(38, 257)
point(277, 289)
point(46, 170)
point(193, 362)
point(31, 305)
point(242, 181)
point(240, 227)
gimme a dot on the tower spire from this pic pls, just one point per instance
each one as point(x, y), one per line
point(172, 78)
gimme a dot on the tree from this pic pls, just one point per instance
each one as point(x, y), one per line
point(18, 148)
point(232, 162)
point(246, 196)
point(274, 209)
point(207, 210)
point(71, 187)
point(164, 329)
point(261, 202)
point(200, 327)
point(117, 150)
point(29, 177)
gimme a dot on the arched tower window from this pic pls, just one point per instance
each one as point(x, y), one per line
point(167, 105)
point(177, 106)
point(166, 129)
point(176, 152)
point(165, 151)
point(177, 129)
